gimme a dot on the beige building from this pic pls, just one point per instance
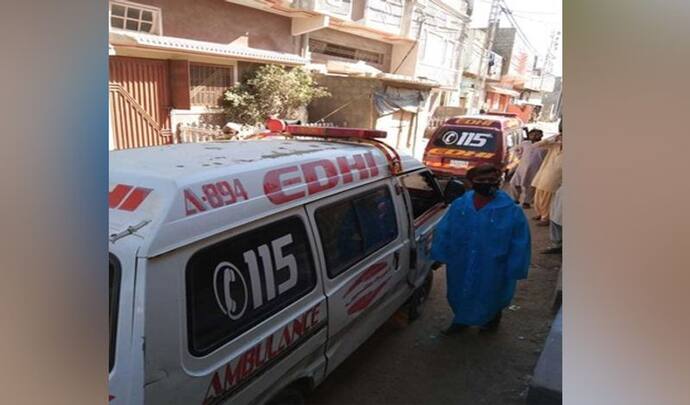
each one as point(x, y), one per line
point(388, 63)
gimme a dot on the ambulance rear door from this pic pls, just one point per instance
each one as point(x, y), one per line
point(426, 208)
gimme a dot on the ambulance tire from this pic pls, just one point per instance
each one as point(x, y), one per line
point(419, 298)
point(288, 396)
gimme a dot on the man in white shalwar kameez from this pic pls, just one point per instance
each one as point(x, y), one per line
point(530, 161)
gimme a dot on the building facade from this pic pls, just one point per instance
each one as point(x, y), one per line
point(473, 94)
point(389, 65)
point(513, 83)
point(171, 61)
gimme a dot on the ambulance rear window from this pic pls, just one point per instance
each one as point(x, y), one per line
point(467, 138)
point(114, 288)
point(237, 283)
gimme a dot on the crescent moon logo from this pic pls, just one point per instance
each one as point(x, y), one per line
point(450, 137)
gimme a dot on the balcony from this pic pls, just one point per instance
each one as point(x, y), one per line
point(336, 8)
point(536, 82)
point(376, 19)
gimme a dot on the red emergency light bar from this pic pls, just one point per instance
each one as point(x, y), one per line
point(334, 132)
point(502, 114)
point(359, 135)
point(477, 122)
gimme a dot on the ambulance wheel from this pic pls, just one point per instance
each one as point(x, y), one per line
point(288, 396)
point(419, 298)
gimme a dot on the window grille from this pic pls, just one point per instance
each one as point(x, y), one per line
point(209, 83)
point(345, 52)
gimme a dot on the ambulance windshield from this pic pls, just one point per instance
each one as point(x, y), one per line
point(467, 138)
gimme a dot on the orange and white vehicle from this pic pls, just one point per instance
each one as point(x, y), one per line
point(464, 142)
point(244, 272)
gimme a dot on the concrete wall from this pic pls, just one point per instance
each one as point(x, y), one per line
point(386, 15)
point(222, 22)
point(503, 45)
point(356, 94)
point(404, 58)
point(518, 60)
point(355, 91)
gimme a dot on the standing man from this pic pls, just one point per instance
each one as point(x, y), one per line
point(484, 241)
point(530, 161)
point(548, 178)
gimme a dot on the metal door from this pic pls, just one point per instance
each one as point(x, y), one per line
point(139, 96)
point(427, 207)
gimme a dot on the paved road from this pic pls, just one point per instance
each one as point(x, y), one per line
point(414, 364)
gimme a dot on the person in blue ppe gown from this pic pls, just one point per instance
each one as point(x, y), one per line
point(484, 240)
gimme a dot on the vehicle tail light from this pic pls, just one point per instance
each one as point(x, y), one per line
point(433, 160)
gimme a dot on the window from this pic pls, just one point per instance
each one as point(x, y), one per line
point(352, 229)
point(114, 288)
point(434, 48)
point(424, 192)
point(208, 84)
point(468, 138)
point(345, 52)
point(235, 284)
point(135, 17)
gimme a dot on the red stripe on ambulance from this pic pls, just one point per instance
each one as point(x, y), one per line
point(133, 197)
point(118, 194)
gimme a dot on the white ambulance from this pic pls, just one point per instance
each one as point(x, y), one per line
point(246, 271)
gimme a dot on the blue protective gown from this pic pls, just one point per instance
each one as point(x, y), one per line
point(485, 253)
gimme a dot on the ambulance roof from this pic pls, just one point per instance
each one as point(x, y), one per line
point(172, 195)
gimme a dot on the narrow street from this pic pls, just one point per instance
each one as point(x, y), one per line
point(415, 364)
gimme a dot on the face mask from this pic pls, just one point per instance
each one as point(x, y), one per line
point(486, 189)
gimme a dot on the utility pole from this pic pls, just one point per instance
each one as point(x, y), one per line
point(548, 61)
point(494, 20)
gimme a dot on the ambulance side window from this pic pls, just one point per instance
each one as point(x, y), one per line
point(424, 192)
point(352, 229)
point(235, 284)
